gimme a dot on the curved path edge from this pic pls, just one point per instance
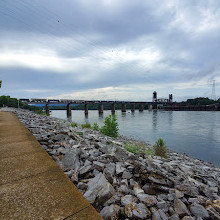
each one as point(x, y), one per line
point(32, 186)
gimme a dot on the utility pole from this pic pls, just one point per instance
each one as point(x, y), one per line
point(213, 90)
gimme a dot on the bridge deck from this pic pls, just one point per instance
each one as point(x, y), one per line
point(32, 186)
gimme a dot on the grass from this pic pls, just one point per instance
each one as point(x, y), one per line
point(73, 124)
point(86, 125)
point(138, 149)
point(80, 133)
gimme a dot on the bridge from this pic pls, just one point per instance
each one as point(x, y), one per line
point(68, 102)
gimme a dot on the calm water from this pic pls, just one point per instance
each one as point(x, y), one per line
point(194, 133)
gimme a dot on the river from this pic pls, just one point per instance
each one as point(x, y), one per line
point(196, 133)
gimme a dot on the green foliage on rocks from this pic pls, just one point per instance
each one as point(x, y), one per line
point(95, 127)
point(73, 124)
point(86, 125)
point(138, 149)
point(110, 127)
point(160, 148)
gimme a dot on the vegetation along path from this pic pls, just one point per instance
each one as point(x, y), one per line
point(32, 186)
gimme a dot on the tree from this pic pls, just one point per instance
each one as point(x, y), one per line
point(110, 127)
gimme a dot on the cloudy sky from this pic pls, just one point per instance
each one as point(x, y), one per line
point(109, 49)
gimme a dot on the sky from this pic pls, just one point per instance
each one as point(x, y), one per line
point(110, 49)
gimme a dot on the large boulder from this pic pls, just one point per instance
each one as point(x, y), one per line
point(99, 190)
point(71, 159)
point(109, 172)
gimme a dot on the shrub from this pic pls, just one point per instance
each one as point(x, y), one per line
point(160, 148)
point(95, 127)
point(110, 127)
point(86, 125)
point(73, 124)
point(138, 149)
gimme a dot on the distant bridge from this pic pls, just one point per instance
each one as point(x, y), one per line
point(68, 102)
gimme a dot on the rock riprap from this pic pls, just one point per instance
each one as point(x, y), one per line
point(121, 185)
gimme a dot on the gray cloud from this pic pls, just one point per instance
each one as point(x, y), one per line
point(74, 46)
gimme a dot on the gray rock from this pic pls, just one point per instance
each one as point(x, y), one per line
point(110, 212)
point(162, 197)
point(127, 175)
point(132, 183)
point(188, 218)
point(119, 168)
point(99, 190)
point(59, 137)
point(174, 217)
point(98, 165)
point(162, 214)
point(82, 185)
point(121, 154)
point(148, 189)
point(162, 205)
point(114, 199)
point(71, 159)
point(156, 215)
point(128, 199)
point(124, 182)
point(140, 211)
point(95, 172)
point(176, 193)
point(109, 172)
point(69, 173)
point(199, 211)
point(85, 169)
point(124, 189)
point(87, 162)
point(180, 208)
point(148, 200)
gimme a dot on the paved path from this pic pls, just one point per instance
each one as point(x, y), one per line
point(32, 186)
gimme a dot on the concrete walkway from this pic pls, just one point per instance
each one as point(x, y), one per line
point(32, 186)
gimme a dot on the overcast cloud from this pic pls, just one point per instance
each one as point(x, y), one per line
point(109, 49)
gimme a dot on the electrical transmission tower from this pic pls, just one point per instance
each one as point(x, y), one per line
point(213, 96)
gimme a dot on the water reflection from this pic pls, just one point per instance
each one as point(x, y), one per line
point(170, 118)
point(154, 119)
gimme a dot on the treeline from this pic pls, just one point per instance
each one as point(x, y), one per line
point(15, 103)
point(200, 101)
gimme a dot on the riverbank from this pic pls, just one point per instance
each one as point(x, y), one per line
point(122, 185)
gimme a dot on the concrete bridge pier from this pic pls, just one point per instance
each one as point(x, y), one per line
point(123, 107)
point(86, 109)
point(47, 109)
point(68, 110)
point(113, 108)
point(132, 107)
point(150, 107)
point(101, 108)
point(141, 107)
